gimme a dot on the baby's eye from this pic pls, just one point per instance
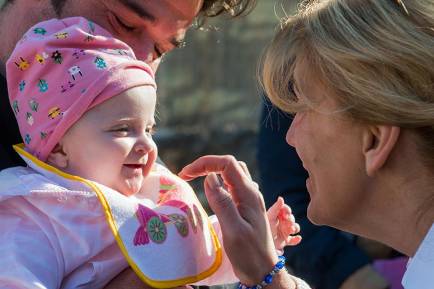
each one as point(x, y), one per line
point(121, 130)
point(151, 130)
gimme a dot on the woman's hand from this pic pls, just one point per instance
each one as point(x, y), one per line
point(240, 209)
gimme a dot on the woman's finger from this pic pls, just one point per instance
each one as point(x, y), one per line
point(243, 165)
point(220, 200)
point(234, 177)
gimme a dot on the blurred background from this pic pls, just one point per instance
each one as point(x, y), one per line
point(208, 93)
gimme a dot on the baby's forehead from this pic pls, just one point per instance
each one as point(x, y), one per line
point(137, 102)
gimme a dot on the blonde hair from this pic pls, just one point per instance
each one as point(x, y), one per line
point(376, 56)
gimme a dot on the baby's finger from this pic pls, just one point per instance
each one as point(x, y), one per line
point(285, 210)
point(274, 211)
point(288, 228)
point(295, 228)
point(293, 240)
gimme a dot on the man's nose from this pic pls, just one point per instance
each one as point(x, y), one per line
point(150, 57)
point(144, 49)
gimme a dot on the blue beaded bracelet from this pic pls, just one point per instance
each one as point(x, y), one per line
point(268, 278)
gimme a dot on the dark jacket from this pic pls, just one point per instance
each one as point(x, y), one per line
point(326, 256)
point(10, 134)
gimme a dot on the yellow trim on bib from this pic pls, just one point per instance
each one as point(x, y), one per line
point(19, 148)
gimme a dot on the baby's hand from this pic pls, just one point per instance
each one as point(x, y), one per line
point(283, 225)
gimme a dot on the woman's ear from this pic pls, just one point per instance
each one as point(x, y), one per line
point(378, 143)
point(58, 158)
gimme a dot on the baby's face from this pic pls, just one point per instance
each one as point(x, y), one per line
point(112, 143)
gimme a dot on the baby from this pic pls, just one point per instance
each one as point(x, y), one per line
point(93, 200)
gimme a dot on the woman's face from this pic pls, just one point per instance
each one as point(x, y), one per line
point(330, 147)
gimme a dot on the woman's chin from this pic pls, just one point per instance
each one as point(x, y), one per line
point(314, 215)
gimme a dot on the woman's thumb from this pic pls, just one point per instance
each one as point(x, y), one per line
point(220, 200)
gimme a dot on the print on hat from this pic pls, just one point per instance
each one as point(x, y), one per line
point(57, 57)
point(65, 87)
point(15, 107)
point(41, 57)
point(33, 105)
point(91, 27)
point(22, 64)
point(39, 30)
point(54, 112)
point(89, 38)
point(27, 139)
point(43, 135)
point(100, 63)
point(43, 85)
point(29, 118)
point(22, 85)
point(61, 35)
point(74, 70)
point(78, 53)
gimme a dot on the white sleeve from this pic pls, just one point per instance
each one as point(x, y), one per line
point(28, 259)
point(225, 273)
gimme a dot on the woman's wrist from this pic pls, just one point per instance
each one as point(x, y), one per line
point(259, 267)
point(268, 278)
point(283, 280)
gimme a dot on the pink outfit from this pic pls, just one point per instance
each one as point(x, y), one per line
point(62, 68)
point(55, 233)
point(62, 231)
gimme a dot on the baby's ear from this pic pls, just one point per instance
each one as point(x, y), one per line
point(58, 157)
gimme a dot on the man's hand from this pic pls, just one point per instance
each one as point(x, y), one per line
point(365, 278)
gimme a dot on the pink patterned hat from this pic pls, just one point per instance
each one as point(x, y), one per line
point(62, 68)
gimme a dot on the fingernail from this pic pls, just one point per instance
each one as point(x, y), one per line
point(214, 180)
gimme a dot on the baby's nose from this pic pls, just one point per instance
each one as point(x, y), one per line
point(144, 146)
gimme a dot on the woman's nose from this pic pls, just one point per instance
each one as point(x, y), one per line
point(290, 134)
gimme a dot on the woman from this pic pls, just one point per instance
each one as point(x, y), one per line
point(359, 76)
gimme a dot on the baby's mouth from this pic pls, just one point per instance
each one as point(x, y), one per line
point(134, 166)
